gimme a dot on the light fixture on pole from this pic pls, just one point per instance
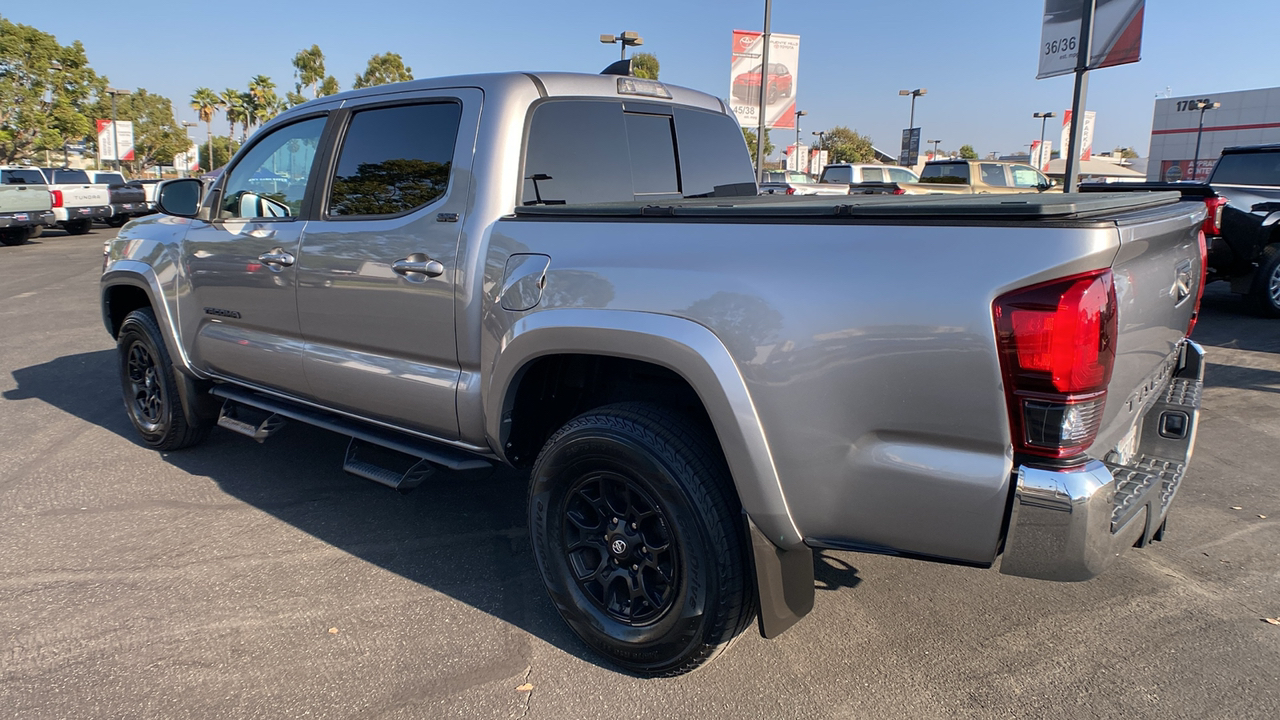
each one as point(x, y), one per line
point(626, 38)
point(914, 94)
point(115, 134)
point(186, 130)
point(935, 148)
point(796, 149)
point(1044, 118)
point(1200, 105)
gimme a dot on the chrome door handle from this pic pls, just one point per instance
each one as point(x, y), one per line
point(417, 264)
point(276, 257)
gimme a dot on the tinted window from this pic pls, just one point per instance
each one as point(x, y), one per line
point(22, 177)
point(872, 175)
point(993, 174)
point(109, 178)
point(70, 177)
point(945, 173)
point(579, 152)
point(1262, 168)
point(712, 151)
point(901, 175)
point(837, 174)
point(395, 159)
point(270, 179)
point(653, 154)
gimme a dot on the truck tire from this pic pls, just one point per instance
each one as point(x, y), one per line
point(13, 236)
point(78, 227)
point(116, 221)
point(639, 537)
point(151, 396)
point(1265, 294)
point(35, 231)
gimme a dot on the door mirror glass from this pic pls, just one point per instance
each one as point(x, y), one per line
point(252, 205)
point(180, 197)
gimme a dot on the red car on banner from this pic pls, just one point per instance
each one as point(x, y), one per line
point(746, 87)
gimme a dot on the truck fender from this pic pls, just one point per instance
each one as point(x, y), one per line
point(783, 563)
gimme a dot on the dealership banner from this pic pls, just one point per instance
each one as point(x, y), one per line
point(1086, 134)
point(188, 161)
point(1117, 35)
point(1040, 154)
point(107, 140)
point(745, 79)
point(1177, 170)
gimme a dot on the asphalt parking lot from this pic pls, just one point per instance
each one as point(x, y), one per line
point(244, 580)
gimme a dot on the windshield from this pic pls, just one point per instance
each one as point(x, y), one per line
point(957, 173)
point(1259, 168)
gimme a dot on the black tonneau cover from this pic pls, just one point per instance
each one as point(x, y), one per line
point(1047, 206)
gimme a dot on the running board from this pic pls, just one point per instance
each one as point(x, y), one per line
point(384, 466)
point(250, 422)
point(434, 453)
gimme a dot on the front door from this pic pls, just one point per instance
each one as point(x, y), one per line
point(242, 263)
point(378, 265)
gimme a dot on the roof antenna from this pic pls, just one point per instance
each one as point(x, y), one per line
point(618, 67)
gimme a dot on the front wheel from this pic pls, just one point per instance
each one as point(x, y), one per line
point(639, 538)
point(1265, 294)
point(151, 396)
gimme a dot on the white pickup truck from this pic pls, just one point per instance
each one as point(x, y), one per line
point(77, 200)
point(25, 204)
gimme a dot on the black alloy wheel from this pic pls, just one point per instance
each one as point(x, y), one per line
point(1266, 283)
point(639, 537)
point(150, 388)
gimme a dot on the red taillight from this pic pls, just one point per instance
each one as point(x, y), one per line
point(1057, 350)
point(56, 197)
point(791, 190)
point(1213, 219)
point(1204, 275)
point(899, 191)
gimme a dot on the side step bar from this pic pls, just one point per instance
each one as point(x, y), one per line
point(360, 459)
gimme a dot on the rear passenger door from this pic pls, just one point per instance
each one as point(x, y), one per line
point(378, 266)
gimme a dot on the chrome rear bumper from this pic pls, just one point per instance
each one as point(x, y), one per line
point(1071, 524)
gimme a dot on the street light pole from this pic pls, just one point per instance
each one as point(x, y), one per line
point(796, 148)
point(186, 155)
point(1201, 106)
point(911, 123)
point(935, 148)
point(764, 84)
point(115, 133)
point(625, 38)
point(1044, 118)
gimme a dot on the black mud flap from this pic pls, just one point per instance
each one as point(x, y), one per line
point(784, 581)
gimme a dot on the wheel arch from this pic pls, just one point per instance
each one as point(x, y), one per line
point(124, 287)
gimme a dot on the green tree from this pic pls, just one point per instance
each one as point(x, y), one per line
point(45, 89)
point(847, 146)
point(645, 65)
point(1125, 152)
point(308, 68)
point(750, 136)
point(968, 153)
point(384, 69)
point(206, 102)
point(329, 87)
point(157, 135)
point(233, 106)
point(223, 149)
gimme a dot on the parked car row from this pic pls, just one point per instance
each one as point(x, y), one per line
point(35, 198)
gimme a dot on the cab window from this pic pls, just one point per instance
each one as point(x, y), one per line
point(837, 174)
point(1027, 177)
point(872, 175)
point(993, 174)
point(270, 180)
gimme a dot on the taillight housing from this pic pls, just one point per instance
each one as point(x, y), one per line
point(791, 190)
point(56, 198)
point(1057, 350)
point(1204, 276)
point(1212, 224)
point(899, 191)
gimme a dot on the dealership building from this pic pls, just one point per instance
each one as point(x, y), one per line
point(1246, 117)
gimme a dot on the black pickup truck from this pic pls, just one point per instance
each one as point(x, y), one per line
point(127, 200)
point(1242, 229)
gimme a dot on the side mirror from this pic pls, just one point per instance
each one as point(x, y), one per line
point(180, 197)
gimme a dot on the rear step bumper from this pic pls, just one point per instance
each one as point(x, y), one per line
point(1070, 525)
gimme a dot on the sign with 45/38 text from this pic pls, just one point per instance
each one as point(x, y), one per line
point(1117, 35)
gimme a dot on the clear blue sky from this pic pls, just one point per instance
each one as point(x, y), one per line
point(976, 57)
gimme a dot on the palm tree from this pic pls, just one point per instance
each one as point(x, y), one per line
point(206, 102)
point(262, 99)
point(233, 103)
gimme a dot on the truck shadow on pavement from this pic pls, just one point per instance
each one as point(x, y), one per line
point(1227, 321)
point(464, 539)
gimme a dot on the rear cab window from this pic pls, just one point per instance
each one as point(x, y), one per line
point(590, 151)
point(837, 174)
point(22, 176)
point(957, 173)
point(1248, 168)
point(65, 176)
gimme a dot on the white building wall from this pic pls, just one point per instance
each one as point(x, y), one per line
point(1247, 117)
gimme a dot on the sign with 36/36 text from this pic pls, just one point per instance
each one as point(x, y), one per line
point(1117, 35)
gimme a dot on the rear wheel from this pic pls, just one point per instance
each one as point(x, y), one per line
point(117, 220)
point(150, 389)
point(1265, 294)
point(13, 236)
point(77, 227)
point(35, 231)
point(639, 538)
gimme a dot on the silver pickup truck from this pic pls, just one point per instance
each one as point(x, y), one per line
point(26, 204)
point(572, 274)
